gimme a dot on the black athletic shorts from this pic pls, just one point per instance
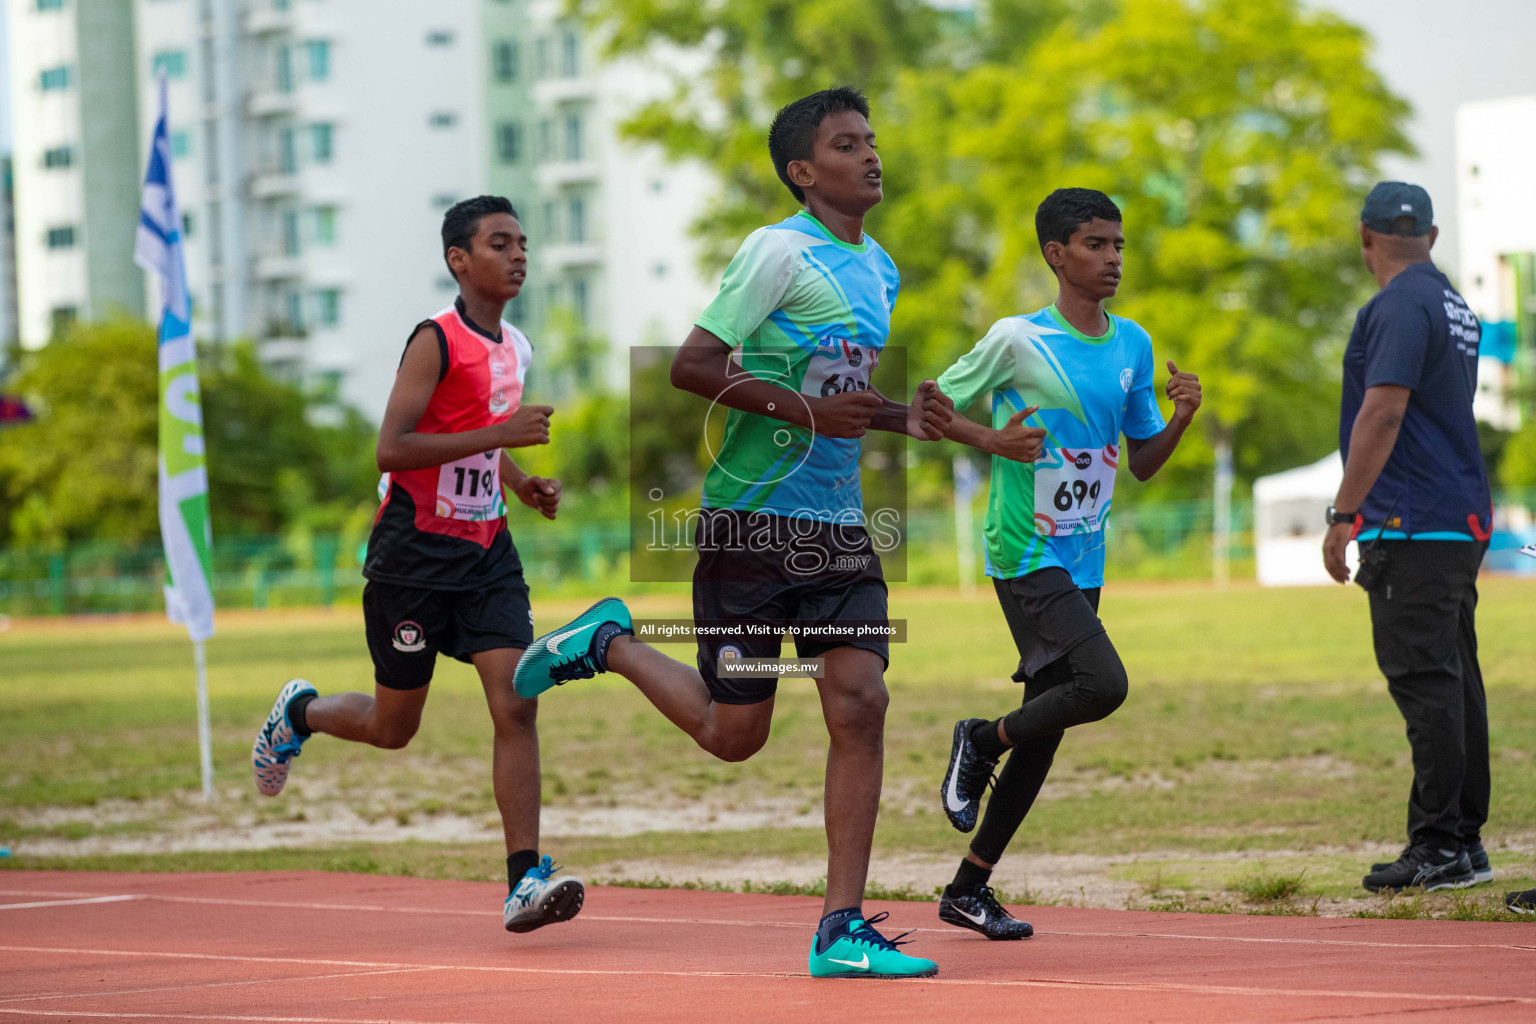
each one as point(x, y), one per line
point(1048, 615)
point(755, 567)
point(407, 626)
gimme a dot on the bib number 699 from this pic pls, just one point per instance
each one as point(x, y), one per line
point(1067, 498)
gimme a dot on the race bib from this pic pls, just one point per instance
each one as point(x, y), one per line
point(470, 488)
point(1073, 487)
point(837, 368)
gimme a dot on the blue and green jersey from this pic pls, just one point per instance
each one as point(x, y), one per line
point(811, 313)
point(1089, 390)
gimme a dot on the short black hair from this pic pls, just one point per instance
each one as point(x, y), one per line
point(1066, 209)
point(463, 219)
point(792, 136)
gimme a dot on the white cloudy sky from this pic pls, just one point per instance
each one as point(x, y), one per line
point(1437, 53)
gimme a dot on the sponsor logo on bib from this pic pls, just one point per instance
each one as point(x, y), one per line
point(409, 637)
point(1083, 460)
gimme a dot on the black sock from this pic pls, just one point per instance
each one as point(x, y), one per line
point(986, 741)
point(969, 877)
point(602, 638)
point(834, 924)
point(296, 709)
point(518, 865)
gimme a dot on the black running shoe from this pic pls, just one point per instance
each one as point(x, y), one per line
point(980, 912)
point(1423, 867)
point(966, 778)
point(1522, 902)
point(1482, 871)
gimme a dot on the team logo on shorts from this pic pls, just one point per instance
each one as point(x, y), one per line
point(728, 652)
point(409, 637)
point(1125, 379)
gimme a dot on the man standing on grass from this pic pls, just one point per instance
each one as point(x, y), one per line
point(1080, 377)
point(1415, 495)
point(788, 345)
point(443, 574)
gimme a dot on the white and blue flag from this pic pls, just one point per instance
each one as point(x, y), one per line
point(184, 526)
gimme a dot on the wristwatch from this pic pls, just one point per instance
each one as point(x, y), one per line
point(1337, 518)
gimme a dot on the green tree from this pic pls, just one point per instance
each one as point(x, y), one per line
point(85, 466)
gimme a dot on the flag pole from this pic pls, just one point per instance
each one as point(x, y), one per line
point(204, 741)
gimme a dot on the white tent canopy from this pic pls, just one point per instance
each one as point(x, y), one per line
point(1288, 526)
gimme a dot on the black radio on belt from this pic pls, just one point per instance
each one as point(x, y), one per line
point(1373, 557)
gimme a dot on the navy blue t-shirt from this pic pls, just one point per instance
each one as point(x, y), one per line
point(1417, 332)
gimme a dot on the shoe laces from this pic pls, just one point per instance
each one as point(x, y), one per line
point(289, 748)
point(544, 869)
point(868, 934)
point(989, 900)
point(978, 776)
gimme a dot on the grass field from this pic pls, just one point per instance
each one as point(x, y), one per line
point(1258, 763)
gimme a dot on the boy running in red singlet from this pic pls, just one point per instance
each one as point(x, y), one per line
point(443, 574)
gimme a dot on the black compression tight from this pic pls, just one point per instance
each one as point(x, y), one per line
point(1084, 685)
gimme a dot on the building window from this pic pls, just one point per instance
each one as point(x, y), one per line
point(290, 232)
point(61, 318)
point(173, 63)
point(285, 69)
point(181, 144)
point(61, 237)
point(443, 200)
point(446, 284)
point(504, 61)
point(440, 37)
point(509, 141)
point(320, 143)
point(443, 119)
point(317, 55)
point(325, 225)
point(50, 5)
point(576, 220)
point(294, 303)
point(55, 78)
point(581, 302)
point(328, 307)
point(551, 227)
point(186, 225)
point(287, 151)
point(570, 52)
point(59, 157)
point(517, 309)
point(546, 140)
point(541, 58)
point(573, 137)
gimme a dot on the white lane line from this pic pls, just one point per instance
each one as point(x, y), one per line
point(1063, 983)
point(210, 984)
point(740, 923)
point(180, 1015)
point(67, 903)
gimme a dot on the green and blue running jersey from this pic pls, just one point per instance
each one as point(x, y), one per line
point(1089, 390)
point(811, 313)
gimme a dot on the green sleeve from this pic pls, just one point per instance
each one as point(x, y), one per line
point(753, 287)
point(986, 367)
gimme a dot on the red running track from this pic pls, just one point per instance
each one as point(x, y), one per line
point(319, 948)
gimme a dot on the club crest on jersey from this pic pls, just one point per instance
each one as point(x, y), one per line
point(499, 403)
point(409, 637)
point(1125, 379)
point(728, 652)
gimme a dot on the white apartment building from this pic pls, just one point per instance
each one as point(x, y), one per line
point(316, 145)
point(73, 150)
point(1495, 163)
point(608, 218)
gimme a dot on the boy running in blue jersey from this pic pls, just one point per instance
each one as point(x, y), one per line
point(1081, 378)
point(805, 308)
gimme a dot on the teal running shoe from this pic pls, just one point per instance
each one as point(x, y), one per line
point(277, 744)
point(862, 952)
point(577, 650)
point(542, 897)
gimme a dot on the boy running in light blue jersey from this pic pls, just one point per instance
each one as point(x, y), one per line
point(805, 308)
point(1081, 378)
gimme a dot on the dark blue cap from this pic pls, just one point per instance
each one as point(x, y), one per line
point(1390, 200)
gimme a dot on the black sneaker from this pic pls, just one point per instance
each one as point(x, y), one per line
point(979, 911)
point(1426, 867)
point(1522, 902)
point(1482, 871)
point(966, 778)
